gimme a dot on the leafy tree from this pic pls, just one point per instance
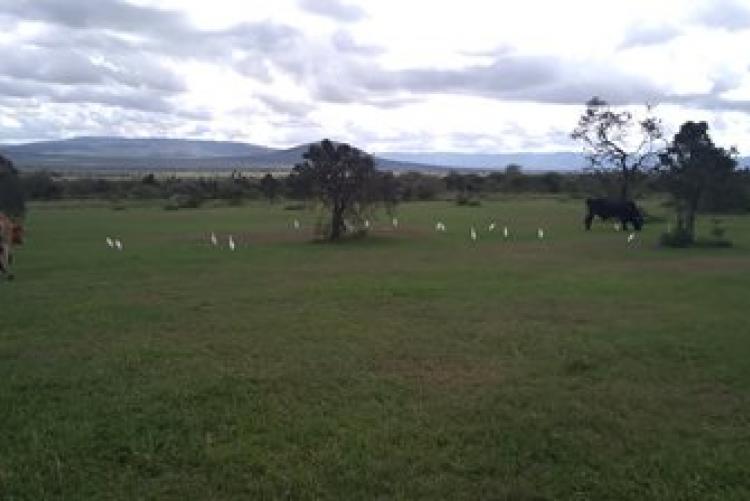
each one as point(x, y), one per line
point(11, 192)
point(692, 166)
point(343, 179)
point(270, 187)
point(615, 140)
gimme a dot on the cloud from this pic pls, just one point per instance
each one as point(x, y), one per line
point(116, 96)
point(102, 14)
point(645, 36)
point(333, 9)
point(285, 106)
point(343, 42)
point(71, 67)
point(727, 14)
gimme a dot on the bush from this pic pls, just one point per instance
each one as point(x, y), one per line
point(679, 238)
point(467, 200)
point(183, 201)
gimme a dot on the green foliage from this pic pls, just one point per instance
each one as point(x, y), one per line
point(691, 167)
point(12, 202)
point(270, 187)
point(677, 238)
point(184, 201)
point(344, 180)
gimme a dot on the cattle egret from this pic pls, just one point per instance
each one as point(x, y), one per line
point(617, 226)
point(506, 233)
point(491, 227)
point(439, 226)
point(540, 233)
point(367, 223)
point(118, 244)
point(395, 222)
point(214, 240)
point(631, 237)
point(296, 224)
point(110, 242)
point(473, 234)
point(231, 243)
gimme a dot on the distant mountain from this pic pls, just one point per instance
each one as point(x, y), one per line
point(124, 154)
point(114, 147)
point(561, 161)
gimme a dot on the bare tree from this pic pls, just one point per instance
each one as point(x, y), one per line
point(615, 140)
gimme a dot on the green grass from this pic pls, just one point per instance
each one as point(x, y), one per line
point(408, 365)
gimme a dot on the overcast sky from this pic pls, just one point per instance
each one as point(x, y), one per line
point(386, 75)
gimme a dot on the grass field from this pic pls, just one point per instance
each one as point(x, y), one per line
point(408, 365)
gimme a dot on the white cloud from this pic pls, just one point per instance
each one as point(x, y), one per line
point(474, 75)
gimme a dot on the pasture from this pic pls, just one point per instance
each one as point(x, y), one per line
point(408, 365)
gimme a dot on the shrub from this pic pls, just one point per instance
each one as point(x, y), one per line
point(679, 238)
point(183, 201)
point(467, 200)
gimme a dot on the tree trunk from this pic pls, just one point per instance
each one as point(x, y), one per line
point(692, 209)
point(337, 222)
point(625, 187)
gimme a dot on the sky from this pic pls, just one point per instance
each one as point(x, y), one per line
point(478, 76)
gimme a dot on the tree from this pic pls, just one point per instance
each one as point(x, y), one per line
point(615, 140)
point(343, 179)
point(11, 192)
point(270, 187)
point(692, 166)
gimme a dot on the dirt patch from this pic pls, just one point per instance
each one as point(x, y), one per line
point(441, 372)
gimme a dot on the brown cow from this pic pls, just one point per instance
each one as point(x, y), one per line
point(11, 234)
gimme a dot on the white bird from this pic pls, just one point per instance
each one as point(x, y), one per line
point(439, 226)
point(540, 233)
point(367, 223)
point(395, 222)
point(110, 243)
point(214, 240)
point(118, 244)
point(506, 233)
point(631, 237)
point(491, 227)
point(231, 243)
point(473, 234)
point(617, 226)
point(296, 224)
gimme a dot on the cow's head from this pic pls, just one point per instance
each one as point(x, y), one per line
point(17, 234)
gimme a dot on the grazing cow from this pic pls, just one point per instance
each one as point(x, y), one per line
point(625, 211)
point(10, 234)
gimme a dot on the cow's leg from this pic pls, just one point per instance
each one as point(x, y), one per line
point(624, 224)
point(588, 220)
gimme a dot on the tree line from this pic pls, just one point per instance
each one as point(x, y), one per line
point(463, 187)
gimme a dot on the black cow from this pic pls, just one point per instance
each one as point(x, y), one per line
point(626, 211)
